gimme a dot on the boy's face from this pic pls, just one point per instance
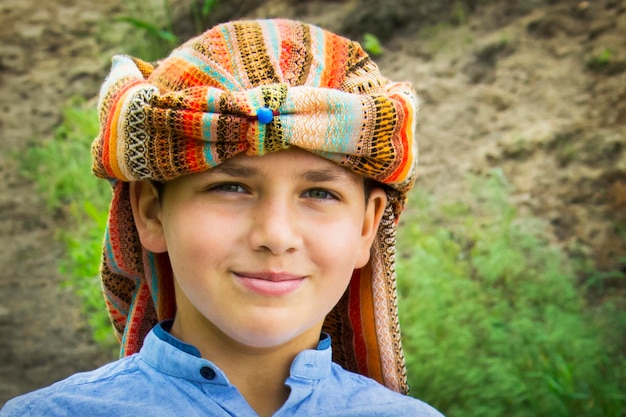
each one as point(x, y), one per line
point(262, 248)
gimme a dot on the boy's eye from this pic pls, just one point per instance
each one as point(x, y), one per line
point(228, 187)
point(320, 194)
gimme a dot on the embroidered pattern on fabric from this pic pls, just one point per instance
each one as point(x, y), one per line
point(137, 134)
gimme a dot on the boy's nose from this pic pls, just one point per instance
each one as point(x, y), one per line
point(275, 227)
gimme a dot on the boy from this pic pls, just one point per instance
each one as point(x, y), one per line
point(258, 173)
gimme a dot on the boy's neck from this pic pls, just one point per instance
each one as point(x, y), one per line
point(258, 373)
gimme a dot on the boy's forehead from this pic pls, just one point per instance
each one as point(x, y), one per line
point(299, 163)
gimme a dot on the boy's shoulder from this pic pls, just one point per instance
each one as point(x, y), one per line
point(354, 392)
point(78, 394)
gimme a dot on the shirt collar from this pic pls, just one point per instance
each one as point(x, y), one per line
point(172, 356)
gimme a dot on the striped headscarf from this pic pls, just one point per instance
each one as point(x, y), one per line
point(257, 87)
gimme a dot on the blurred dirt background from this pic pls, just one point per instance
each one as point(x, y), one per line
point(537, 88)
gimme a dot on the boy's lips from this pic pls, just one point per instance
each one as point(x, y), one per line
point(273, 284)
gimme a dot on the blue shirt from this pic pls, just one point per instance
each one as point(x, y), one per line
point(169, 378)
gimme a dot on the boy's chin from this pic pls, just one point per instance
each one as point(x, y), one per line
point(275, 339)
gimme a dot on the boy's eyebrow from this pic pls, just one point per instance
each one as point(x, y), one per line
point(235, 170)
point(324, 175)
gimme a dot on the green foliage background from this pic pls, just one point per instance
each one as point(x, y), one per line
point(493, 323)
point(62, 171)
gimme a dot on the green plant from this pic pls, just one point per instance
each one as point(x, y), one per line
point(80, 266)
point(492, 321)
point(158, 25)
point(600, 60)
point(61, 169)
point(444, 37)
point(459, 15)
point(372, 44)
point(151, 29)
point(200, 10)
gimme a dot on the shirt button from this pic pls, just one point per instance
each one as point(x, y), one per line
point(207, 373)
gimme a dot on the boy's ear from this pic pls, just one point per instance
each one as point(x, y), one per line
point(146, 206)
point(374, 211)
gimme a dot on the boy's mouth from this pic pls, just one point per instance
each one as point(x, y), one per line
point(271, 284)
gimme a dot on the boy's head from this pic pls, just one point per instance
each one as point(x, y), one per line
point(270, 88)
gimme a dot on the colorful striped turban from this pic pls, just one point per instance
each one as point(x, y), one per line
point(257, 87)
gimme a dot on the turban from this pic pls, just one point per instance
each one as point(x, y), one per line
point(256, 87)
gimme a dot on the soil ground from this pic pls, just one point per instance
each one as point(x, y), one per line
point(535, 88)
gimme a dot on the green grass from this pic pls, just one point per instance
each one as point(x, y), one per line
point(153, 25)
point(492, 320)
point(61, 168)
